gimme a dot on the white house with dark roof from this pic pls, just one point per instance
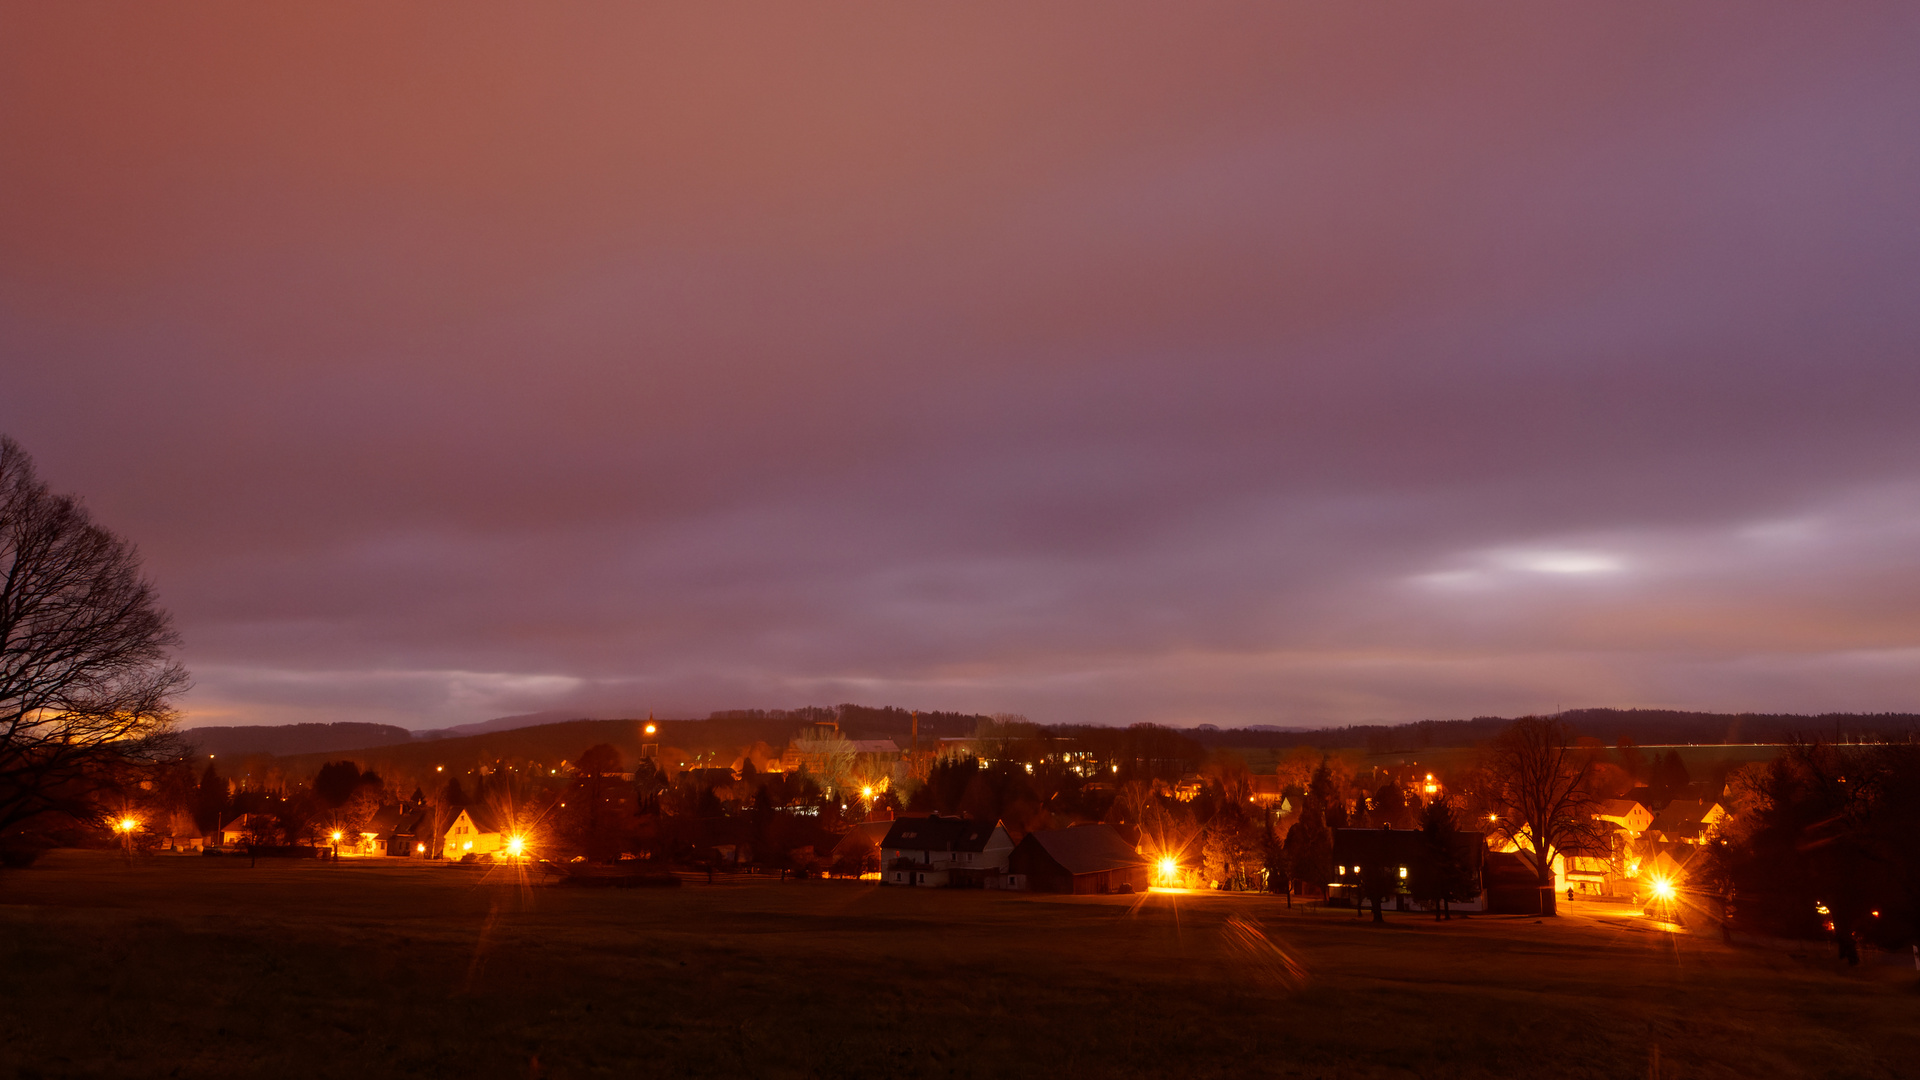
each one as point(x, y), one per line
point(936, 850)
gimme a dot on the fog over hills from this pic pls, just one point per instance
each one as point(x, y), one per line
point(1644, 726)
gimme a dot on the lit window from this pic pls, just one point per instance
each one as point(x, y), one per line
point(1403, 872)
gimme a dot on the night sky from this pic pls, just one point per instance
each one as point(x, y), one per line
point(1184, 363)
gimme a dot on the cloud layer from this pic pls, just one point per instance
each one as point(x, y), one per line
point(1234, 363)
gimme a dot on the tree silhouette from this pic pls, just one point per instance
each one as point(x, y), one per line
point(1440, 875)
point(86, 684)
point(210, 800)
point(1539, 786)
point(335, 783)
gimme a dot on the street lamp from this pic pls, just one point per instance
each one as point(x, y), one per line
point(126, 825)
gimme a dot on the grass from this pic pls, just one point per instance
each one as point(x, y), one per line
point(198, 967)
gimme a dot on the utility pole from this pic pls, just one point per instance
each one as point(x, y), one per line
point(916, 742)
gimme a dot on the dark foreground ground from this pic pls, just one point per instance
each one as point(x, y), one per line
point(201, 967)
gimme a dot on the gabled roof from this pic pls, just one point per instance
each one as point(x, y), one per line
point(867, 834)
point(384, 819)
point(976, 836)
point(930, 833)
point(482, 817)
point(1399, 846)
point(410, 823)
point(1617, 807)
point(1690, 809)
point(1509, 870)
point(1086, 849)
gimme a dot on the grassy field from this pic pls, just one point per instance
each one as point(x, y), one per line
point(200, 967)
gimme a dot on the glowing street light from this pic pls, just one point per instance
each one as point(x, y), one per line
point(515, 846)
point(867, 792)
point(1663, 888)
point(1169, 870)
point(651, 728)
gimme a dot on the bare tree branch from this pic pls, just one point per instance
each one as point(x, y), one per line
point(1540, 793)
point(86, 679)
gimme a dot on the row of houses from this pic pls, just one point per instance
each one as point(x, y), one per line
point(396, 831)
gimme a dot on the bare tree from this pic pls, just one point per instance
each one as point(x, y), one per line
point(1539, 791)
point(85, 677)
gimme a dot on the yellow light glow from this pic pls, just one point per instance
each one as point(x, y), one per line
point(515, 845)
point(439, 768)
point(1169, 869)
point(336, 838)
point(468, 846)
point(866, 792)
point(128, 824)
point(419, 847)
point(1663, 888)
point(651, 729)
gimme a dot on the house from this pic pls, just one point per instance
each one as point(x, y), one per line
point(1082, 860)
point(473, 831)
point(818, 745)
point(398, 830)
point(1512, 887)
point(860, 848)
point(936, 850)
point(412, 835)
point(260, 827)
point(1268, 791)
point(1693, 821)
point(1401, 853)
point(181, 834)
point(1630, 814)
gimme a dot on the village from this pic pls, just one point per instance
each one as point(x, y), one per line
point(1011, 807)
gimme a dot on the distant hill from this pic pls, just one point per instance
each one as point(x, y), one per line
point(1643, 726)
point(284, 739)
point(503, 723)
point(427, 762)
